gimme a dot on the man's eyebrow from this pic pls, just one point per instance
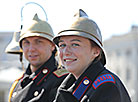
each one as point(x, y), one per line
point(41, 38)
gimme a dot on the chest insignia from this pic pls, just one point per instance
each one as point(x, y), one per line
point(61, 72)
point(103, 79)
point(82, 87)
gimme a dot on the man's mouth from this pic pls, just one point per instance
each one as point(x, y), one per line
point(32, 56)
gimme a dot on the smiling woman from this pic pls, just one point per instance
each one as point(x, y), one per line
point(82, 54)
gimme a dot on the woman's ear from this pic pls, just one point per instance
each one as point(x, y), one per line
point(96, 51)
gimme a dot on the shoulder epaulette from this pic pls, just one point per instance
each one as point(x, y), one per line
point(13, 87)
point(60, 72)
point(103, 79)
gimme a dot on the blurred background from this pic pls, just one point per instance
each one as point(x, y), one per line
point(117, 19)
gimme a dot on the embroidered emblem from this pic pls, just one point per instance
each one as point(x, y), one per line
point(81, 89)
point(103, 79)
point(61, 72)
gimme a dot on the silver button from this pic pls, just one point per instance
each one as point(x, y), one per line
point(36, 93)
point(45, 71)
point(86, 82)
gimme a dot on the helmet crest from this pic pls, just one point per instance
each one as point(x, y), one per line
point(36, 27)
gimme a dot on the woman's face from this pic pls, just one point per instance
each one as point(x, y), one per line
point(76, 53)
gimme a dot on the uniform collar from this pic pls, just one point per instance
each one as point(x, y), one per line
point(50, 65)
point(84, 82)
point(92, 71)
point(42, 73)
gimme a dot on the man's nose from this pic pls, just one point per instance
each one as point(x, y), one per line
point(32, 47)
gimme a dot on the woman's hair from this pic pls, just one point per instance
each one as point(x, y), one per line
point(93, 44)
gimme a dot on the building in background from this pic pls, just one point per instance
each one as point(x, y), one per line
point(10, 66)
point(122, 58)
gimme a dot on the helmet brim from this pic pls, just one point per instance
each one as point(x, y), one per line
point(29, 34)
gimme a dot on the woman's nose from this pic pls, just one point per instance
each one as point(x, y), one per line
point(67, 50)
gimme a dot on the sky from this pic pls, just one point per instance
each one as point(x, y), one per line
point(114, 17)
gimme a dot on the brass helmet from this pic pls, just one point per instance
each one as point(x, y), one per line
point(13, 46)
point(85, 27)
point(36, 27)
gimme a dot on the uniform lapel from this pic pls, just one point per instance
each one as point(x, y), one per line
point(84, 83)
point(44, 71)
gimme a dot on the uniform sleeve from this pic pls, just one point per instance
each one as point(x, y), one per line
point(108, 92)
point(12, 89)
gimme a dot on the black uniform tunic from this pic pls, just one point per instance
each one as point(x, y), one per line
point(39, 86)
point(96, 84)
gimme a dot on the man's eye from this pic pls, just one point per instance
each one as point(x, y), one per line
point(75, 44)
point(39, 41)
point(61, 45)
point(25, 42)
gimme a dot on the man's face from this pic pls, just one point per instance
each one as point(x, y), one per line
point(76, 53)
point(37, 50)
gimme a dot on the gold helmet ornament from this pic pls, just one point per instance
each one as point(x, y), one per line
point(84, 27)
point(36, 27)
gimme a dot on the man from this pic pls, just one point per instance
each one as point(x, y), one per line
point(81, 52)
point(41, 79)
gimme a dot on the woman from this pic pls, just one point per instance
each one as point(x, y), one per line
point(82, 54)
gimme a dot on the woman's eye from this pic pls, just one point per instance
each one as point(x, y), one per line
point(75, 44)
point(61, 45)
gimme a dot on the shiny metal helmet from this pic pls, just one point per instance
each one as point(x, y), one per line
point(84, 27)
point(36, 27)
point(13, 47)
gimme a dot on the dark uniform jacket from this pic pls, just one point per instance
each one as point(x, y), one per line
point(39, 86)
point(96, 84)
